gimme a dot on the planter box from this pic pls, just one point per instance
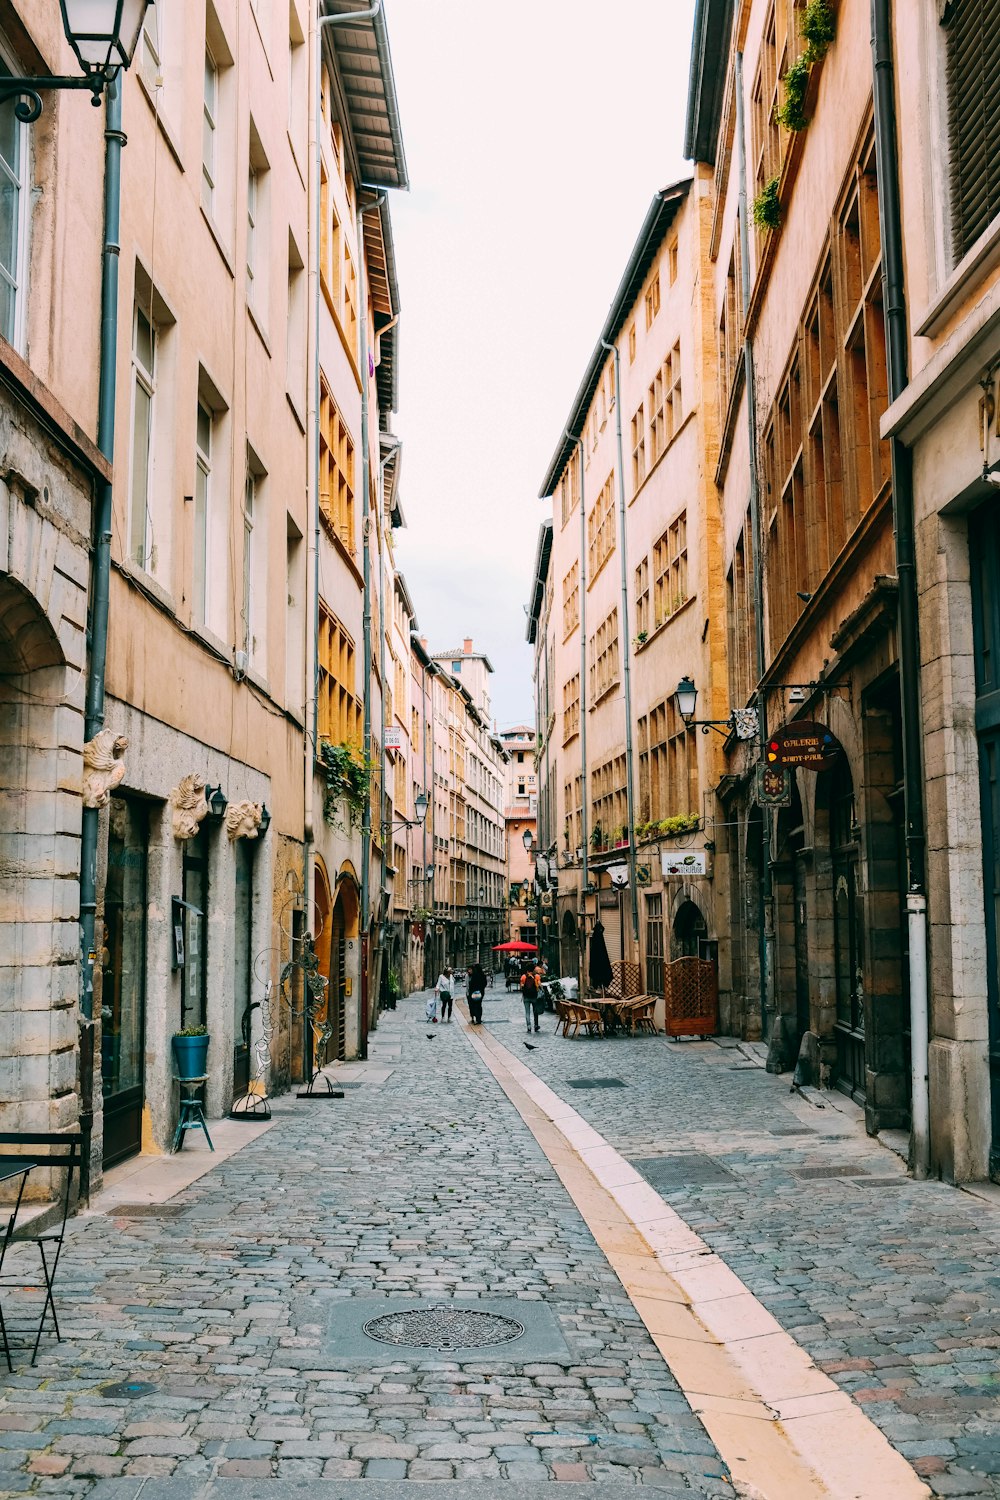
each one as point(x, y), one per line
point(191, 1055)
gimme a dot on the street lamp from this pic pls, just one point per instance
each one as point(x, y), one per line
point(419, 807)
point(742, 722)
point(103, 34)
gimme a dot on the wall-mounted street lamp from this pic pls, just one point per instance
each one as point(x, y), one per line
point(420, 805)
point(742, 722)
point(217, 801)
point(104, 35)
point(265, 820)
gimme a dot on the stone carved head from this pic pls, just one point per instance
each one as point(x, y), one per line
point(189, 806)
point(103, 766)
point(243, 820)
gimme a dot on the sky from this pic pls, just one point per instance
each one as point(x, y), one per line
point(535, 138)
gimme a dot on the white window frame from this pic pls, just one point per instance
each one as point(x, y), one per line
point(146, 379)
point(210, 119)
point(253, 201)
point(152, 47)
point(202, 515)
point(22, 181)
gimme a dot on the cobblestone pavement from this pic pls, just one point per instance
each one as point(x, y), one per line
point(424, 1183)
point(891, 1286)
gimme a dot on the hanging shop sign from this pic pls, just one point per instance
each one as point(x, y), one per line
point(695, 863)
point(803, 744)
point(774, 786)
point(393, 739)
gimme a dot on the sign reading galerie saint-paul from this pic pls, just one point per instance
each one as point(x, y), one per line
point(802, 744)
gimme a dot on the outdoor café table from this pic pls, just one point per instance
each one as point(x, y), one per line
point(611, 1015)
point(11, 1167)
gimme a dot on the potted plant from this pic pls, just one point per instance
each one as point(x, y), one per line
point(190, 1048)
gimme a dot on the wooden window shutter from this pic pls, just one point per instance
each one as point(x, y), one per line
point(974, 117)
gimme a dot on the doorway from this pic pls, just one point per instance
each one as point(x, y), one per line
point(848, 947)
point(243, 967)
point(123, 993)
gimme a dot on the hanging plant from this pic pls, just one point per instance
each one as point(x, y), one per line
point(819, 28)
point(791, 111)
point(682, 823)
point(766, 210)
point(348, 777)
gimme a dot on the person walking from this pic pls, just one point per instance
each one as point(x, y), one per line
point(445, 994)
point(475, 990)
point(532, 997)
point(435, 995)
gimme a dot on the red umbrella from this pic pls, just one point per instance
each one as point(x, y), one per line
point(514, 948)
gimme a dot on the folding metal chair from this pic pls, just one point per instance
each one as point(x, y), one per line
point(59, 1152)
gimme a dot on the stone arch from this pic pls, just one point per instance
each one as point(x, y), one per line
point(688, 927)
point(343, 931)
point(41, 745)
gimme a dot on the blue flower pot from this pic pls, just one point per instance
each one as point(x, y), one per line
point(190, 1055)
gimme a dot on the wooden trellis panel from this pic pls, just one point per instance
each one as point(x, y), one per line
point(626, 981)
point(691, 992)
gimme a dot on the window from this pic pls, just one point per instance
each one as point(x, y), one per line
point(642, 598)
point(297, 83)
point(638, 446)
point(601, 529)
point(609, 803)
point(571, 607)
point(652, 299)
point(295, 334)
point(654, 943)
point(210, 120)
point(143, 393)
point(670, 571)
point(657, 418)
point(520, 757)
point(571, 711)
point(766, 134)
point(340, 717)
point(740, 617)
point(730, 329)
point(604, 657)
point(673, 405)
point(672, 261)
point(569, 490)
point(456, 666)
point(252, 211)
point(150, 60)
point(202, 509)
point(336, 472)
point(258, 180)
point(973, 54)
point(254, 612)
point(15, 191)
point(631, 344)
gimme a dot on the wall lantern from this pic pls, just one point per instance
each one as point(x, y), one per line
point(420, 806)
point(103, 34)
point(527, 840)
point(265, 820)
point(686, 699)
point(217, 801)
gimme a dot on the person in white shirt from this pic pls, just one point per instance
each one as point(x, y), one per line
point(443, 992)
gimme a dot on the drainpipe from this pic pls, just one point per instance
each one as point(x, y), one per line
point(94, 712)
point(114, 140)
point(894, 298)
point(626, 649)
point(366, 637)
point(584, 800)
point(312, 643)
point(756, 533)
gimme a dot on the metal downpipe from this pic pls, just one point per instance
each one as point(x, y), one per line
point(584, 800)
point(114, 140)
point(626, 651)
point(894, 300)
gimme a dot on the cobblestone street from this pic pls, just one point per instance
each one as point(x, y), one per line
point(240, 1301)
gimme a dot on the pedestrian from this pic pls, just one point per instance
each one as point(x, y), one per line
point(445, 994)
point(431, 1009)
point(532, 997)
point(475, 991)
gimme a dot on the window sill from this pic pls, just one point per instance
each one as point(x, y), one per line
point(148, 584)
point(971, 270)
point(259, 329)
point(659, 629)
point(212, 642)
point(296, 411)
point(661, 456)
point(611, 688)
point(220, 244)
point(592, 580)
point(173, 145)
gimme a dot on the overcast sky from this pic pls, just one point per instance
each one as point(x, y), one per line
point(536, 135)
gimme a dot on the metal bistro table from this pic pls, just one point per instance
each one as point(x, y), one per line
point(611, 1016)
point(11, 1167)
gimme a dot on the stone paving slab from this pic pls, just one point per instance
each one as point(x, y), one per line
point(895, 1294)
point(428, 1186)
point(365, 1489)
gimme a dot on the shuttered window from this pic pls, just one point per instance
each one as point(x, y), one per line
point(974, 116)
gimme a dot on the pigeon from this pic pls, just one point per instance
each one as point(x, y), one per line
point(531, 1046)
point(431, 1036)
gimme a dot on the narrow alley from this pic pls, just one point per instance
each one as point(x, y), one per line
point(441, 1178)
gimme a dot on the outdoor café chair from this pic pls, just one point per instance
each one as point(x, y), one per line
point(59, 1152)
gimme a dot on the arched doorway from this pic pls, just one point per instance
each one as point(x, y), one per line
point(690, 931)
point(569, 948)
point(835, 808)
point(790, 886)
point(343, 929)
point(322, 923)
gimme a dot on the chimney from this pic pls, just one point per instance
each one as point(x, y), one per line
point(467, 646)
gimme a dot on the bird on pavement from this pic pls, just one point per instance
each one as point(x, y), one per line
point(531, 1046)
point(432, 1036)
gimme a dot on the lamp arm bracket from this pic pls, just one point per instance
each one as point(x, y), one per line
point(28, 92)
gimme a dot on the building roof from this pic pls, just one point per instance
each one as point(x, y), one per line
point(458, 655)
point(381, 263)
point(366, 94)
point(416, 646)
point(542, 552)
point(528, 729)
point(659, 217)
point(713, 21)
point(404, 594)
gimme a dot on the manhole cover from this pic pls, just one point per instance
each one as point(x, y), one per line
point(131, 1390)
point(791, 1130)
point(836, 1170)
point(672, 1174)
point(147, 1210)
point(444, 1328)
point(595, 1083)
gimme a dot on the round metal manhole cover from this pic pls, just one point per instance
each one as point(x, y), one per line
point(444, 1328)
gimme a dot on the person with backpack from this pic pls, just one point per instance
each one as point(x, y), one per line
point(532, 997)
point(475, 991)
